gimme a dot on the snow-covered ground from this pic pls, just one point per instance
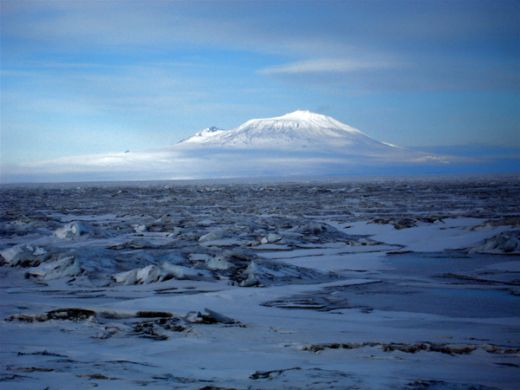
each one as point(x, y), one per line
point(370, 285)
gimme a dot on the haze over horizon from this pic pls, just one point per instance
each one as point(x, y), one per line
point(83, 78)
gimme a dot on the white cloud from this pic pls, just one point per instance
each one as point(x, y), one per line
point(181, 162)
point(330, 65)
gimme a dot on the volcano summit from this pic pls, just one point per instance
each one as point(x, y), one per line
point(295, 130)
point(300, 143)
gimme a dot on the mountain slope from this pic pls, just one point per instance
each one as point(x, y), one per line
point(300, 143)
point(295, 130)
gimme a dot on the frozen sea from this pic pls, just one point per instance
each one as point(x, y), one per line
point(373, 284)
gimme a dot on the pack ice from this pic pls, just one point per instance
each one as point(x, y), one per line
point(409, 284)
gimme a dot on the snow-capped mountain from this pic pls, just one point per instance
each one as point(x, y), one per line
point(295, 130)
point(296, 144)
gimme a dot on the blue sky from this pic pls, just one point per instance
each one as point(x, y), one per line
point(102, 76)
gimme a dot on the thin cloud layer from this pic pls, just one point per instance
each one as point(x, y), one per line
point(329, 65)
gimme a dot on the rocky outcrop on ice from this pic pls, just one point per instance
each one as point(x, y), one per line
point(154, 325)
point(158, 328)
point(445, 348)
point(407, 222)
point(65, 314)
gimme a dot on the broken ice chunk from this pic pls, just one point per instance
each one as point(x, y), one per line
point(139, 228)
point(212, 236)
point(23, 255)
point(127, 277)
point(153, 273)
point(65, 267)
point(218, 263)
point(211, 317)
point(271, 237)
point(502, 243)
point(72, 230)
point(180, 272)
point(251, 271)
